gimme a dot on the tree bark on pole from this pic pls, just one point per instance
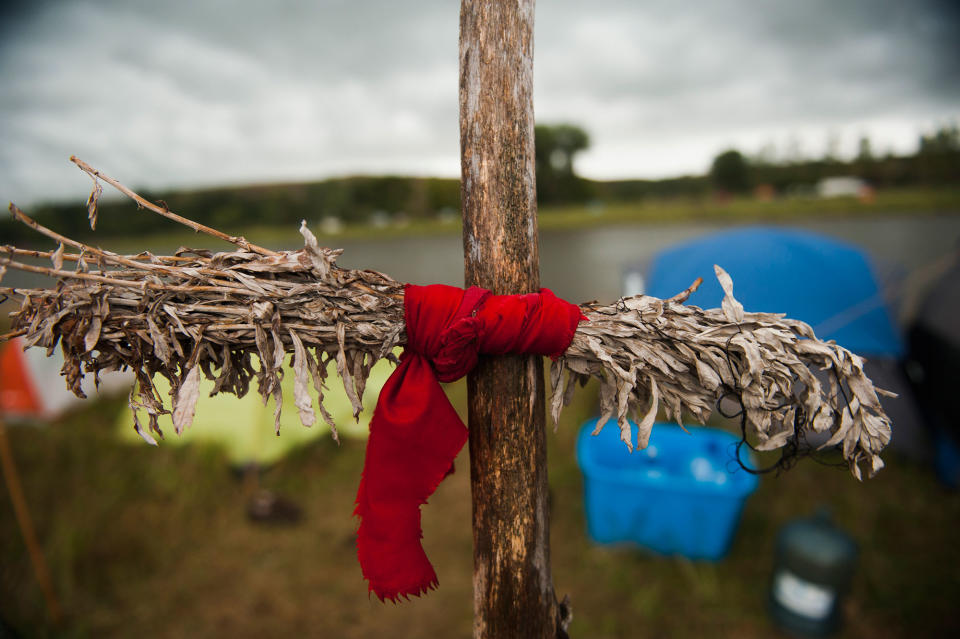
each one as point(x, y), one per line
point(512, 584)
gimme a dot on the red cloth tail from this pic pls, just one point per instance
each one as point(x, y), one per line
point(411, 449)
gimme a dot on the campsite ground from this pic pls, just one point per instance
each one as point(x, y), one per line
point(153, 542)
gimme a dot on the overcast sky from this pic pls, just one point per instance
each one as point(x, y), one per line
point(186, 93)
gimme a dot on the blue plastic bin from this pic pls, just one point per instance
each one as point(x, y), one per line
point(683, 494)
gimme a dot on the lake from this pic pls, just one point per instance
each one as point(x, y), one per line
point(588, 263)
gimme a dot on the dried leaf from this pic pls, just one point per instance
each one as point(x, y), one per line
point(92, 202)
point(731, 307)
point(147, 437)
point(346, 372)
point(185, 400)
point(161, 348)
point(708, 377)
point(57, 258)
point(646, 424)
point(321, 260)
point(92, 336)
point(301, 384)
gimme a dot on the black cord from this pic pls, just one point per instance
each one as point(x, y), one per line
point(796, 447)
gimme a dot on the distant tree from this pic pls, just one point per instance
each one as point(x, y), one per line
point(766, 155)
point(944, 140)
point(938, 158)
point(731, 172)
point(831, 152)
point(794, 153)
point(864, 149)
point(556, 146)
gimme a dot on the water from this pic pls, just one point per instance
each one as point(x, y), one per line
point(588, 264)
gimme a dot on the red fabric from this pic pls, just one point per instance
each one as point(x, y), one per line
point(18, 393)
point(415, 433)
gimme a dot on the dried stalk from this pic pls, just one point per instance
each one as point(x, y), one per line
point(156, 208)
point(197, 312)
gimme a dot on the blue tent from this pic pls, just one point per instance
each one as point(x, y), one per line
point(817, 279)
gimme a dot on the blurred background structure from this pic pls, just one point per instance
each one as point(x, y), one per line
point(657, 125)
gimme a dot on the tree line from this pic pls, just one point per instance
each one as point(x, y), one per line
point(350, 200)
point(359, 200)
point(936, 162)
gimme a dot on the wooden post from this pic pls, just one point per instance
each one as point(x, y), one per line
point(512, 584)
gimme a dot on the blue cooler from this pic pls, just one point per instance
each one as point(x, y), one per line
point(683, 494)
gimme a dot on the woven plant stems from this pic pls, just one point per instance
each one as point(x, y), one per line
point(231, 316)
point(235, 317)
point(650, 353)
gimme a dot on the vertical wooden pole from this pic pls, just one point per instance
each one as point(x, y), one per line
point(513, 588)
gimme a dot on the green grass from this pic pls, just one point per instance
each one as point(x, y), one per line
point(153, 542)
point(914, 201)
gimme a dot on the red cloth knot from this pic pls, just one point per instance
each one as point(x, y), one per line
point(415, 433)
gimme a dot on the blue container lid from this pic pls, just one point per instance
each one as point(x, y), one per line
point(701, 460)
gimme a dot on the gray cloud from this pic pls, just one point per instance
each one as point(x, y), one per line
point(655, 79)
point(191, 93)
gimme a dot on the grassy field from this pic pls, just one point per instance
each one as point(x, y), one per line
point(737, 210)
point(154, 542)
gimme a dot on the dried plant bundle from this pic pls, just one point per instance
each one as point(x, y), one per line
point(649, 353)
point(198, 312)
